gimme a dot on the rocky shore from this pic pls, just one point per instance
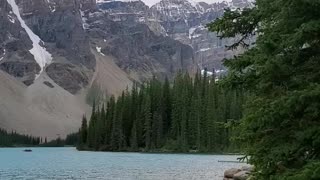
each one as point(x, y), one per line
point(238, 174)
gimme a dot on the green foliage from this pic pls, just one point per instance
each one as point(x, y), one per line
point(83, 132)
point(188, 115)
point(72, 139)
point(14, 139)
point(280, 128)
point(311, 171)
point(54, 143)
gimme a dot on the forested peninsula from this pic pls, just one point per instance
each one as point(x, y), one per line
point(187, 115)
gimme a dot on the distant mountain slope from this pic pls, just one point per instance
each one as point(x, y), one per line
point(82, 46)
point(52, 52)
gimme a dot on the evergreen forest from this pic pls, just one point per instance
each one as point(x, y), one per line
point(187, 115)
point(14, 139)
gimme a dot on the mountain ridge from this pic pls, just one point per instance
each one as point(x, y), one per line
point(112, 44)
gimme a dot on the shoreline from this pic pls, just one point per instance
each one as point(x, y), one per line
point(141, 152)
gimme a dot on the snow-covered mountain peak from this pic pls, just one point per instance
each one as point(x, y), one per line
point(177, 9)
point(175, 4)
point(109, 1)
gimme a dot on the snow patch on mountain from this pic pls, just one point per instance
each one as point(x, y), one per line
point(41, 55)
point(52, 5)
point(193, 3)
point(191, 31)
point(176, 8)
point(204, 49)
point(85, 25)
point(4, 53)
point(11, 19)
point(99, 51)
point(109, 1)
point(209, 73)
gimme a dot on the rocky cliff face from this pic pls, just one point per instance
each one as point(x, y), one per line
point(15, 58)
point(185, 20)
point(58, 25)
point(137, 49)
point(182, 20)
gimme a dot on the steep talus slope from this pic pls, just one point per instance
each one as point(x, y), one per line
point(38, 109)
point(109, 77)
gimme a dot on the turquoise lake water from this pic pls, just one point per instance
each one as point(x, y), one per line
point(68, 163)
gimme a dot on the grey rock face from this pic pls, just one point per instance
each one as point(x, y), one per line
point(59, 25)
point(185, 21)
point(68, 76)
point(15, 58)
point(181, 20)
point(136, 48)
point(132, 12)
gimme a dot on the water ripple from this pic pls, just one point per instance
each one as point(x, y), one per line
point(69, 164)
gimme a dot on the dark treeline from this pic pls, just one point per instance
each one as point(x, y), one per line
point(189, 114)
point(72, 139)
point(14, 139)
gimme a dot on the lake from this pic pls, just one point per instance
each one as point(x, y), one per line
point(68, 163)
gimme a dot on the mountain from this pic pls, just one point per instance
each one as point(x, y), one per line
point(54, 53)
point(185, 20)
point(136, 49)
point(182, 20)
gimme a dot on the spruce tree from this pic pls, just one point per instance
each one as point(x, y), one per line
point(84, 131)
point(147, 119)
point(279, 131)
point(91, 130)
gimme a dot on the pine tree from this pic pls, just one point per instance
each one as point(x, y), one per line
point(84, 130)
point(147, 119)
point(109, 121)
point(133, 139)
point(212, 116)
point(117, 136)
point(166, 106)
point(91, 130)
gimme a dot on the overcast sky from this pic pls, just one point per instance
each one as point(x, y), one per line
point(152, 2)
